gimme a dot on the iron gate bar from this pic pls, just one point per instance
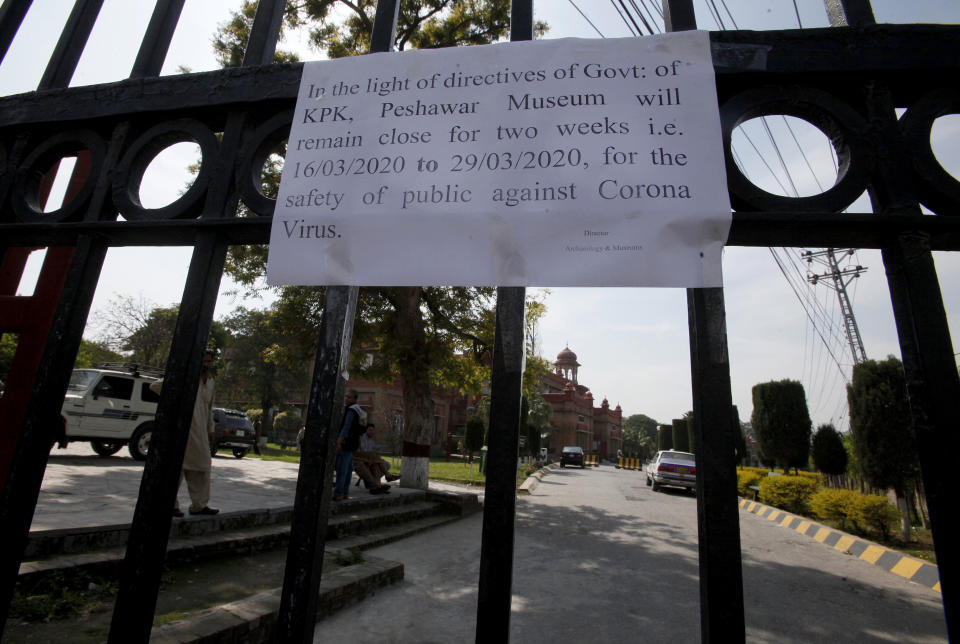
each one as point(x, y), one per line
point(11, 16)
point(888, 58)
point(160, 30)
point(303, 571)
point(69, 48)
point(757, 229)
point(150, 529)
point(932, 379)
point(25, 476)
point(495, 585)
point(718, 517)
point(816, 57)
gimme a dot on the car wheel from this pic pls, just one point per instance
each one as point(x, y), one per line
point(140, 441)
point(240, 452)
point(106, 448)
point(561, 464)
point(648, 481)
point(654, 486)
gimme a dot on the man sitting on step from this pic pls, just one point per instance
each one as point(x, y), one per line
point(368, 464)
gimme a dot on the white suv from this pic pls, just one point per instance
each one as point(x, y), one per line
point(111, 407)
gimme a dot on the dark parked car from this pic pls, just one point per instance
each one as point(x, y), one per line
point(232, 430)
point(571, 455)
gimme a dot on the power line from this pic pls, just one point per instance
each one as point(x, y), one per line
point(630, 16)
point(624, 18)
point(587, 19)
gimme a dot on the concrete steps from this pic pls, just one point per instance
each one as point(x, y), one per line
point(364, 522)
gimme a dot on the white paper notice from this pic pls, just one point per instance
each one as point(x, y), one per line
point(548, 163)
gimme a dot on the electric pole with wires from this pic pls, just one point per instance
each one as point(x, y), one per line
point(838, 278)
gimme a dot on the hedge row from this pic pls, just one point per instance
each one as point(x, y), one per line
point(856, 511)
point(849, 510)
point(790, 493)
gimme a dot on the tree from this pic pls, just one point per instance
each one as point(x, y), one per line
point(265, 363)
point(882, 429)
point(782, 422)
point(829, 455)
point(664, 437)
point(739, 436)
point(538, 425)
point(638, 434)
point(94, 354)
point(421, 24)
point(420, 333)
point(473, 435)
point(142, 331)
point(681, 435)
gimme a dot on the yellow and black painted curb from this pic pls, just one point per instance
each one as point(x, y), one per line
point(629, 464)
point(916, 570)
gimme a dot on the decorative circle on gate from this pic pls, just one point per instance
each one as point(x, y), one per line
point(266, 139)
point(837, 120)
point(25, 199)
point(126, 183)
point(937, 189)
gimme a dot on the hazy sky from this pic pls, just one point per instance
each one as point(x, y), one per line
point(632, 343)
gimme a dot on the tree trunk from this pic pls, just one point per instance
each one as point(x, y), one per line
point(417, 400)
point(921, 503)
point(904, 516)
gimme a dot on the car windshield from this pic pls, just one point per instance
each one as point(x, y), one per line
point(683, 456)
point(82, 380)
point(571, 450)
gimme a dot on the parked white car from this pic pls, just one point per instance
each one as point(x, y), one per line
point(673, 468)
point(111, 407)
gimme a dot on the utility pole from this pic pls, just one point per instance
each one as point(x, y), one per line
point(839, 279)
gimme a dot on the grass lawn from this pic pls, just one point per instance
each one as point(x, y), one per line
point(455, 471)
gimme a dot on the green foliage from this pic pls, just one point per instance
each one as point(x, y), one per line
point(880, 421)
point(664, 437)
point(877, 515)
point(267, 363)
point(288, 423)
point(739, 437)
point(94, 354)
point(681, 435)
point(60, 595)
point(834, 505)
point(781, 422)
point(849, 509)
point(350, 557)
point(340, 28)
point(790, 493)
point(829, 455)
point(473, 434)
point(143, 332)
point(745, 478)
point(8, 347)
point(638, 435)
point(428, 337)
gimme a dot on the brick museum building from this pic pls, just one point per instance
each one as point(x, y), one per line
point(575, 418)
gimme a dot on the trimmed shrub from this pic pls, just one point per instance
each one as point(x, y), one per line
point(747, 478)
point(288, 423)
point(254, 414)
point(814, 476)
point(838, 506)
point(790, 493)
point(855, 511)
point(877, 514)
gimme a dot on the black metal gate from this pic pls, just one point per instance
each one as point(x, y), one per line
point(846, 80)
